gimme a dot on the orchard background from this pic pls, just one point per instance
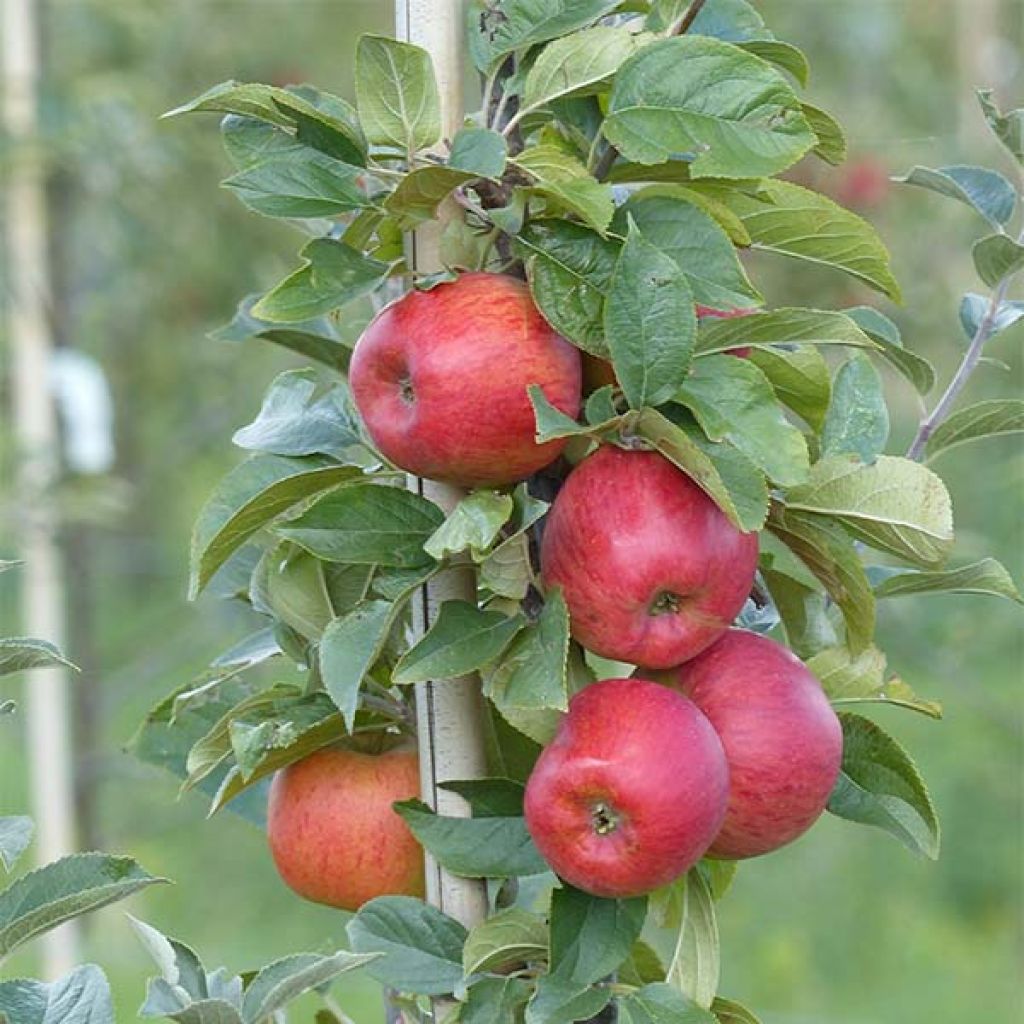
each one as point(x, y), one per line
point(843, 928)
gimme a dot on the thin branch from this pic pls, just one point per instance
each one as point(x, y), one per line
point(986, 328)
point(604, 165)
point(684, 23)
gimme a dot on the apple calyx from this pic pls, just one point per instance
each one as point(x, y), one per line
point(406, 390)
point(605, 819)
point(665, 603)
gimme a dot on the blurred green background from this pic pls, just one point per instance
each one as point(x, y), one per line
point(843, 928)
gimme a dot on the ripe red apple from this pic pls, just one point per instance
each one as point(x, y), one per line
point(651, 569)
point(782, 739)
point(630, 792)
point(333, 834)
point(440, 379)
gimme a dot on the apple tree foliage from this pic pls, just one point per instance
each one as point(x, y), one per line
point(626, 156)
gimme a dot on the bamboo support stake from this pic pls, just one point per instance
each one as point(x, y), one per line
point(450, 712)
point(35, 428)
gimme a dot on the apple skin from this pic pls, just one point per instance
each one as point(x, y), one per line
point(630, 792)
point(651, 569)
point(783, 741)
point(333, 833)
point(440, 379)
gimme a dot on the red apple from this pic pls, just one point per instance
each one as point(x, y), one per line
point(782, 739)
point(630, 792)
point(440, 379)
point(333, 833)
point(651, 569)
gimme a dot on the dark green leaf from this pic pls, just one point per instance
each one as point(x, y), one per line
point(894, 505)
point(988, 192)
point(729, 1012)
point(590, 936)
point(252, 496)
point(831, 145)
point(559, 1000)
point(249, 141)
point(560, 177)
point(367, 524)
point(880, 785)
point(649, 322)
point(65, 889)
point(661, 1003)
point(480, 151)
point(509, 938)
point(332, 274)
point(422, 946)
point(81, 997)
point(473, 525)
point(995, 417)
point(396, 93)
point(324, 121)
point(418, 194)
point(462, 639)
point(782, 55)
point(800, 378)
point(697, 94)
point(780, 327)
point(802, 608)
point(490, 798)
point(495, 1001)
point(734, 401)
point(985, 577)
point(997, 257)
point(858, 418)
point(15, 837)
point(881, 329)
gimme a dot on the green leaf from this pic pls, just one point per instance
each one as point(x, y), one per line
point(649, 322)
point(669, 218)
point(576, 64)
point(881, 329)
point(332, 274)
point(495, 1000)
point(490, 798)
point(67, 888)
point(396, 94)
point(974, 309)
point(552, 423)
point(880, 785)
point(20, 653)
point(784, 56)
point(831, 555)
point(643, 966)
point(780, 327)
point(729, 1012)
point(324, 121)
point(858, 418)
point(563, 179)
point(988, 192)
point(996, 417)
point(473, 525)
point(997, 257)
point(559, 1000)
point(420, 192)
point(252, 496)
point(81, 997)
point(515, 25)
point(860, 679)
point(660, 1003)
point(15, 837)
point(303, 183)
point(794, 221)
point(802, 608)
point(479, 150)
point(462, 639)
point(367, 524)
point(728, 477)
point(734, 401)
point(697, 94)
point(532, 673)
point(507, 570)
point(509, 938)
point(799, 377)
point(695, 966)
point(348, 650)
point(250, 99)
point(985, 577)
point(894, 505)
point(294, 421)
point(590, 936)
point(286, 979)
point(422, 947)
point(569, 268)
point(732, 20)
point(1008, 128)
point(315, 339)
point(831, 145)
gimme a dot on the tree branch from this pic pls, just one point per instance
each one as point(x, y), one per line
point(687, 19)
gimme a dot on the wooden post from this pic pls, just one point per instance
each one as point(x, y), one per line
point(35, 428)
point(450, 711)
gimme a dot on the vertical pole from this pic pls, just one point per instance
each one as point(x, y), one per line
point(450, 711)
point(35, 428)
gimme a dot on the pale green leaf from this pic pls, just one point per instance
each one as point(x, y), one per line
point(996, 258)
point(858, 418)
point(997, 417)
point(506, 939)
point(473, 525)
point(985, 577)
point(988, 192)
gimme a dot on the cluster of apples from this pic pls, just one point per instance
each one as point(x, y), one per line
point(721, 744)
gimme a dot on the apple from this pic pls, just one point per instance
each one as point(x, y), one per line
point(333, 833)
point(440, 379)
point(630, 792)
point(650, 568)
point(783, 741)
